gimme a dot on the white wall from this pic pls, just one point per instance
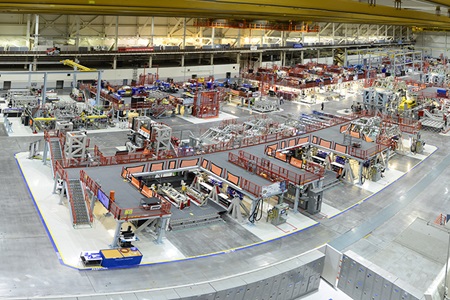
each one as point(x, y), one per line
point(116, 77)
point(434, 43)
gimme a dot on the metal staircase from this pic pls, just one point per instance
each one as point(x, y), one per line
point(56, 150)
point(77, 203)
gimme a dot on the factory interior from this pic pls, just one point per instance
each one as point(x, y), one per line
point(225, 150)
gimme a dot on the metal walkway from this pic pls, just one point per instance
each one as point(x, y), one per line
point(76, 196)
point(56, 150)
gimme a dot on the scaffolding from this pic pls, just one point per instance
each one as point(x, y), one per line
point(75, 145)
point(206, 104)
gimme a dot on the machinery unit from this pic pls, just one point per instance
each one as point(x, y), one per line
point(417, 144)
point(64, 126)
point(126, 238)
point(148, 135)
point(175, 197)
point(376, 172)
point(278, 214)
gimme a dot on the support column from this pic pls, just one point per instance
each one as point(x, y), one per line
point(44, 154)
point(152, 33)
point(334, 29)
point(260, 59)
point(116, 36)
point(261, 42)
point(238, 40)
point(44, 90)
point(28, 31)
point(77, 34)
point(74, 82)
point(36, 31)
point(386, 159)
point(55, 183)
point(184, 33)
point(318, 55)
point(297, 198)
point(150, 62)
point(302, 53)
point(182, 60)
point(162, 229)
point(213, 33)
point(30, 69)
point(99, 88)
point(360, 173)
point(212, 59)
point(116, 236)
point(346, 58)
point(115, 62)
point(238, 59)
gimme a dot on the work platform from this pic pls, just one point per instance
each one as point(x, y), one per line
point(70, 243)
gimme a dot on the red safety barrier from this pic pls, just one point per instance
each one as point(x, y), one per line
point(271, 172)
point(126, 213)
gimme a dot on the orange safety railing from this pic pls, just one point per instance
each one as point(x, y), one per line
point(367, 153)
point(89, 182)
point(441, 219)
point(126, 213)
point(269, 171)
point(88, 202)
point(250, 187)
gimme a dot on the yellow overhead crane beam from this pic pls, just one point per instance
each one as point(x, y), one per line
point(71, 63)
point(281, 10)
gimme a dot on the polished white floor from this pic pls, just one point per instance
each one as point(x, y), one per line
point(389, 176)
point(266, 231)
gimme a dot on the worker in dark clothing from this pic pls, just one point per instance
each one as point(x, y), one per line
point(321, 106)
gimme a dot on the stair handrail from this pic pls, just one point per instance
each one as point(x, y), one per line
point(65, 177)
point(87, 201)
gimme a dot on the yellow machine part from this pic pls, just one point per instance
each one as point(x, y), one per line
point(131, 115)
point(97, 117)
point(71, 63)
point(44, 119)
point(410, 103)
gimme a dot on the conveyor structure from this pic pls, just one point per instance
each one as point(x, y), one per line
point(175, 197)
point(236, 132)
point(432, 122)
point(265, 106)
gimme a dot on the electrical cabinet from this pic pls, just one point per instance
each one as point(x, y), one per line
point(360, 279)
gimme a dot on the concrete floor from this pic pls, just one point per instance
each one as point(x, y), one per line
point(31, 269)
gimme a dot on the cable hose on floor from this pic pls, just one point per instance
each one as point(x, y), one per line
point(256, 214)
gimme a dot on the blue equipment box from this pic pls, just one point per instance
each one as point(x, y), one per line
point(122, 257)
